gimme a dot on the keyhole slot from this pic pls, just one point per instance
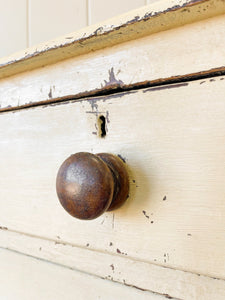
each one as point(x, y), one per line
point(102, 126)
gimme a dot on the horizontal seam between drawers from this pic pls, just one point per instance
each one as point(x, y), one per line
point(61, 242)
point(121, 89)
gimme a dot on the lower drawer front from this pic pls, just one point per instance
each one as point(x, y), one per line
point(28, 278)
point(172, 139)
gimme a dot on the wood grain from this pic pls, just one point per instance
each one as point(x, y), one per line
point(192, 50)
point(172, 138)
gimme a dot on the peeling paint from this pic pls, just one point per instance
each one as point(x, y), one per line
point(50, 93)
point(3, 228)
point(71, 46)
point(144, 212)
point(109, 93)
point(112, 79)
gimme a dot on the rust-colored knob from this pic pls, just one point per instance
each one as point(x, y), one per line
point(87, 185)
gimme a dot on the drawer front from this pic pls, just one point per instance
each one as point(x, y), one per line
point(172, 140)
point(36, 279)
point(153, 59)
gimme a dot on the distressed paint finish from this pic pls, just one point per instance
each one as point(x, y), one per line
point(24, 278)
point(174, 149)
point(159, 16)
point(142, 275)
point(168, 238)
point(190, 51)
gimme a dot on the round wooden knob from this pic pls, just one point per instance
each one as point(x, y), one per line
point(87, 185)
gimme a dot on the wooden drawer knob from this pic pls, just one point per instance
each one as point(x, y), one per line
point(87, 185)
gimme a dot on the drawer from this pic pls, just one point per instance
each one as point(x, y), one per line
point(169, 235)
point(147, 87)
point(27, 275)
point(163, 42)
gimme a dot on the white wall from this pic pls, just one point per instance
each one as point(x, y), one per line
point(24, 23)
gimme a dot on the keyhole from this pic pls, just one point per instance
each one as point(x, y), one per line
point(102, 126)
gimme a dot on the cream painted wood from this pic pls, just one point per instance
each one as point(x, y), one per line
point(100, 10)
point(172, 138)
point(151, 1)
point(49, 19)
point(13, 29)
point(150, 277)
point(192, 49)
point(157, 17)
point(169, 237)
point(25, 278)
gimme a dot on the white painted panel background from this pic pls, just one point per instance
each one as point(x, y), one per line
point(100, 10)
point(13, 26)
point(24, 23)
point(51, 18)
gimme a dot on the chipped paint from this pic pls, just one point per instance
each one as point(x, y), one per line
point(3, 228)
point(141, 22)
point(112, 79)
point(50, 93)
point(110, 93)
point(145, 214)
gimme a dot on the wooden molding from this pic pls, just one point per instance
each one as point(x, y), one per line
point(153, 18)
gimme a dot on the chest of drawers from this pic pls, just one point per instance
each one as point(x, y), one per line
point(156, 77)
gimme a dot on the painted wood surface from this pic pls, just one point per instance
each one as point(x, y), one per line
point(153, 18)
point(190, 51)
point(25, 278)
point(32, 21)
point(171, 283)
point(174, 149)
